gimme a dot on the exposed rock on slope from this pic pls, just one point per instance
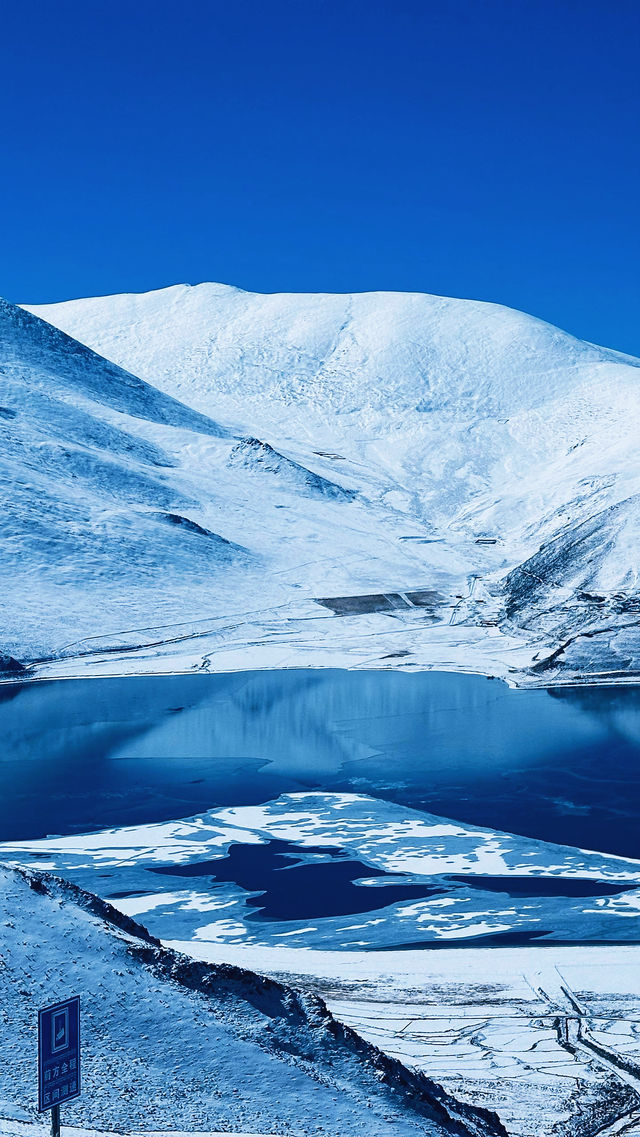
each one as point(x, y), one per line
point(260, 457)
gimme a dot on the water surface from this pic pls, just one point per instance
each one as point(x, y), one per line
point(561, 765)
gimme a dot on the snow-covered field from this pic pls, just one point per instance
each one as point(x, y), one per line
point(467, 473)
point(548, 1037)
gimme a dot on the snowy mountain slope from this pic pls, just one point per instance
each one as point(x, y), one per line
point(355, 354)
point(171, 1043)
point(456, 421)
point(125, 508)
point(94, 482)
point(38, 352)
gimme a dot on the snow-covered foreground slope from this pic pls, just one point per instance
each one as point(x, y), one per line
point(176, 1045)
point(545, 1036)
point(457, 448)
point(545, 1039)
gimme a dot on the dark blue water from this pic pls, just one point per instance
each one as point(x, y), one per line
point(561, 766)
point(285, 881)
point(293, 883)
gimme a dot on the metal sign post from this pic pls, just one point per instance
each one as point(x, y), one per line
point(58, 1058)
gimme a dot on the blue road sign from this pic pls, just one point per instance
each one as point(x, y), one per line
point(59, 1053)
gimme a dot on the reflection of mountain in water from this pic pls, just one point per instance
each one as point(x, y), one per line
point(129, 751)
point(615, 708)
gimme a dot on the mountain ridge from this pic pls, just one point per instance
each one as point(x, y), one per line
point(454, 444)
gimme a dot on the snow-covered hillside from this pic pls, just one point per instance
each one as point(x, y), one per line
point(469, 456)
point(172, 1044)
point(94, 466)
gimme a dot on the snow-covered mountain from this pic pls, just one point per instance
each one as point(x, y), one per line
point(477, 466)
point(95, 468)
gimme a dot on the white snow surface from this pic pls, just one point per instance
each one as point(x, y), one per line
point(546, 1036)
point(414, 426)
point(174, 1046)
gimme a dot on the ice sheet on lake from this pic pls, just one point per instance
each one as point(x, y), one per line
point(470, 882)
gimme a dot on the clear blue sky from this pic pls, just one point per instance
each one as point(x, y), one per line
point(478, 148)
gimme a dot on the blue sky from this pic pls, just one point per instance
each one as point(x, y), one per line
point(478, 148)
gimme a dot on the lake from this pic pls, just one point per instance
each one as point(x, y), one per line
point(560, 765)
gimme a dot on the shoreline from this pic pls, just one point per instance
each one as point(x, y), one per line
point(597, 679)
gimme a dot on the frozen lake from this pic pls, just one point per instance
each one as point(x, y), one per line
point(560, 765)
point(332, 809)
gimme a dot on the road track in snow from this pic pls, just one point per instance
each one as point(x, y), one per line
point(574, 1035)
